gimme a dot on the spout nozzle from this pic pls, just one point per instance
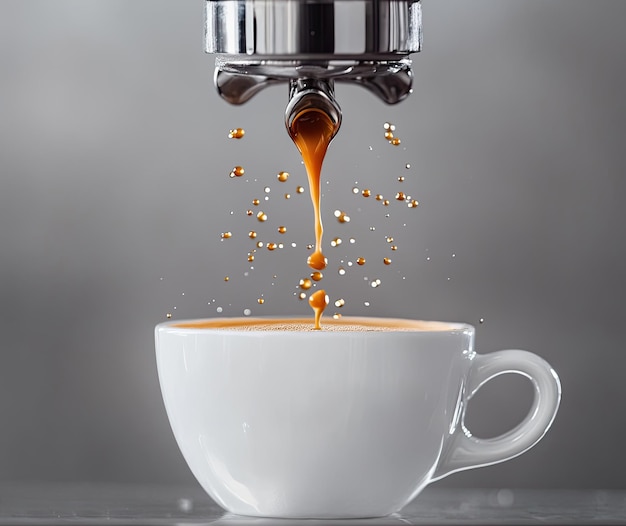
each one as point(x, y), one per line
point(307, 94)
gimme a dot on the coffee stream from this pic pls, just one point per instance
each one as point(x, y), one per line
point(311, 131)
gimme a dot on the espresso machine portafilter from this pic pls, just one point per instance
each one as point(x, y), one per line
point(310, 45)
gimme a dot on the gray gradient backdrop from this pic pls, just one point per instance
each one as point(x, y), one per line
point(113, 175)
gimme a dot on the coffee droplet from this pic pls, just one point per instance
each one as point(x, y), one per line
point(341, 271)
point(389, 239)
point(395, 141)
point(407, 166)
point(261, 216)
point(387, 261)
point(259, 244)
point(336, 242)
point(302, 296)
point(400, 196)
point(237, 171)
point(317, 261)
point(305, 284)
point(282, 229)
point(287, 196)
point(249, 212)
point(355, 190)
point(360, 261)
point(236, 133)
point(340, 303)
point(300, 189)
point(260, 301)
point(401, 179)
point(386, 202)
point(412, 204)
point(379, 197)
point(250, 257)
point(336, 316)
point(394, 247)
point(226, 278)
point(318, 301)
point(252, 234)
point(256, 202)
point(227, 235)
point(272, 246)
point(389, 135)
point(366, 193)
point(342, 217)
point(168, 315)
point(317, 276)
point(283, 176)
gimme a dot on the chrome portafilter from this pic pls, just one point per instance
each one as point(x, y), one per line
point(310, 44)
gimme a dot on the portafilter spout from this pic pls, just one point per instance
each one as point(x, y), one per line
point(308, 94)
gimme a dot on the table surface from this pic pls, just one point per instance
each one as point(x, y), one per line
point(147, 505)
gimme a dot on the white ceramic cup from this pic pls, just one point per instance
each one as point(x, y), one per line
point(335, 424)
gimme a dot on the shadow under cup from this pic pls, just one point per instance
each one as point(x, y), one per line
point(334, 424)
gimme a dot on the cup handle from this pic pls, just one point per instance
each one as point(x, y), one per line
point(463, 451)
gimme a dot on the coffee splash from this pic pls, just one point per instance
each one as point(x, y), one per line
point(318, 301)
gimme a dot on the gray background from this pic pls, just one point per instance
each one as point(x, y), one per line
point(113, 175)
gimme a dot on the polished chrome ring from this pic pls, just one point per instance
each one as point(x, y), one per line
point(307, 29)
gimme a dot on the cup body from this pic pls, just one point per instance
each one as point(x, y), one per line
point(314, 424)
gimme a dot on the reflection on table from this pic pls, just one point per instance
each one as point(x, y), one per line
point(143, 505)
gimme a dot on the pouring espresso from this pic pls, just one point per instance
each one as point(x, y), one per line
point(303, 43)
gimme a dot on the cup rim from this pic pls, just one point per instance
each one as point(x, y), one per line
point(183, 325)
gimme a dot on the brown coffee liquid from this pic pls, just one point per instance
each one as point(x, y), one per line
point(311, 131)
point(318, 302)
point(343, 324)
